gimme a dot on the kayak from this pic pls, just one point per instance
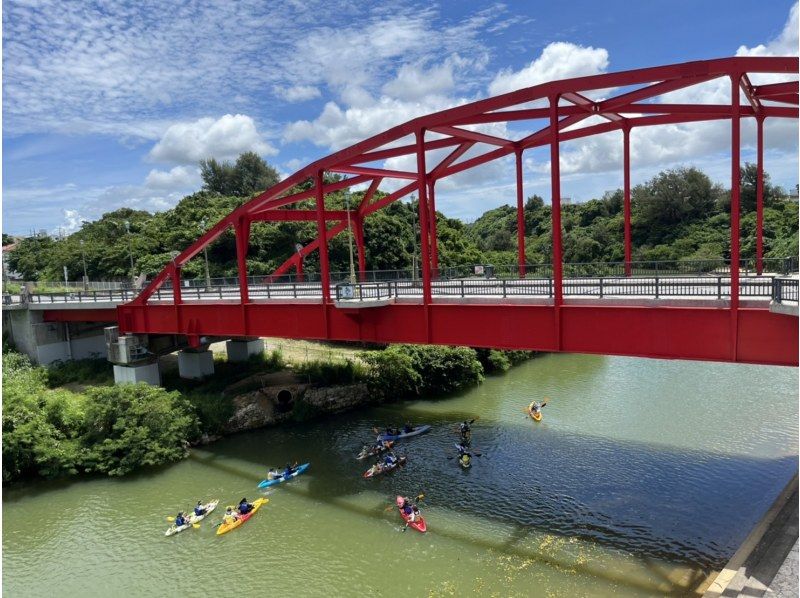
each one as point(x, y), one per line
point(193, 519)
point(414, 432)
point(226, 527)
point(537, 417)
point(384, 468)
point(374, 450)
point(418, 524)
point(281, 478)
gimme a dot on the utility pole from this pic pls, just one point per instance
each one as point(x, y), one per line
point(205, 254)
point(414, 241)
point(85, 276)
point(350, 237)
point(130, 253)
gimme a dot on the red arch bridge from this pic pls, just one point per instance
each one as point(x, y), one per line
point(545, 308)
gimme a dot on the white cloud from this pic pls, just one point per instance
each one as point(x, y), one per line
point(297, 93)
point(224, 138)
point(786, 44)
point(179, 177)
point(559, 60)
point(415, 83)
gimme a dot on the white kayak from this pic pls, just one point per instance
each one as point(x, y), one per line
point(174, 529)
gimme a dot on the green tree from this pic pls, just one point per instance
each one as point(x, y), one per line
point(129, 425)
point(250, 174)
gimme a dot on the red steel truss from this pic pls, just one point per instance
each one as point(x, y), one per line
point(566, 112)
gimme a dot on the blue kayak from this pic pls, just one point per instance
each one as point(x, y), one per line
point(414, 432)
point(281, 478)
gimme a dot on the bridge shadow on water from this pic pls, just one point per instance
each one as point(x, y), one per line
point(657, 504)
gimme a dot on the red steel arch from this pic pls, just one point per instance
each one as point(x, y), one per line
point(566, 106)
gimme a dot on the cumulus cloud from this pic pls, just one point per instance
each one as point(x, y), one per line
point(180, 177)
point(414, 83)
point(559, 60)
point(297, 93)
point(223, 138)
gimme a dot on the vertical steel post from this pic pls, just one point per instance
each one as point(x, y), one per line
point(299, 268)
point(760, 196)
point(735, 193)
point(432, 223)
point(323, 239)
point(358, 229)
point(555, 202)
point(626, 152)
point(242, 242)
point(176, 284)
point(520, 216)
point(422, 183)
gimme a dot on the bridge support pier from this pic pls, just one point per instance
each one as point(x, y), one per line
point(195, 364)
point(131, 374)
point(242, 349)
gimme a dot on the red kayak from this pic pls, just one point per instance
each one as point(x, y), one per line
point(418, 525)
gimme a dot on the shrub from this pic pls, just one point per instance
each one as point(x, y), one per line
point(85, 371)
point(392, 374)
point(331, 372)
point(133, 425)
point(422, 370)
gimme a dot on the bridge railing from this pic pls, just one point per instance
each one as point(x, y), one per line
point(785, 290)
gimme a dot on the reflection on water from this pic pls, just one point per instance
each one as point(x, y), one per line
point(643, 477)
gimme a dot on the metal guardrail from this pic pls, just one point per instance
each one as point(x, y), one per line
point(779, 289)
point(785, 290)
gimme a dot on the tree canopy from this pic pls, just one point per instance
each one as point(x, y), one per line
point(678, 214)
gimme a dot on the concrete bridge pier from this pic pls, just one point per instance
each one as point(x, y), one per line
point(195, 364)
point(241, 349)
point(140, 372)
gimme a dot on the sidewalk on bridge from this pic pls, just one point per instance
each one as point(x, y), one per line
point(766, 563)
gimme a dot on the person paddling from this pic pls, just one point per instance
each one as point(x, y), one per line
point(199, 509)
point(180, 520)
point(229, 517)
point(245, 507)
point(536, 407)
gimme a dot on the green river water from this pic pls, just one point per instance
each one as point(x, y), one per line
point(643, 477)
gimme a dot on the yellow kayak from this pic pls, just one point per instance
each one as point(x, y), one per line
point(226, 527)
point(537, 417)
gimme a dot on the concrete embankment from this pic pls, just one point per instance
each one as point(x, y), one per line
point(766, 562)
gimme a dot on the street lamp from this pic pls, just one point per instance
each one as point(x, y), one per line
point(85, 276)
point(350, 237)
point(130, 252)
point(205, 254)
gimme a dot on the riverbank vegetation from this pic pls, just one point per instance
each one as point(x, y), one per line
point(105, 429)
point(679, 214)
point(71, 418)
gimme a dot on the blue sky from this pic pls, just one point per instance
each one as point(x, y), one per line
point(112, 104)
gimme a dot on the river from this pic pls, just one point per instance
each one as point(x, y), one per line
point(642, 478)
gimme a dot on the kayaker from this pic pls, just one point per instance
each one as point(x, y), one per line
point(465, 430)
point(288, 471)
point(198, 509)
point(273, 473)
point(180, 520)
point(390, 459)
point(411, 510)
point(536, 407)
point(229, 517)
point(408, 428)
point(245, 507)
point(462, 449)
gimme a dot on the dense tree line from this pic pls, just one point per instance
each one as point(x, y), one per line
point(677, 215)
